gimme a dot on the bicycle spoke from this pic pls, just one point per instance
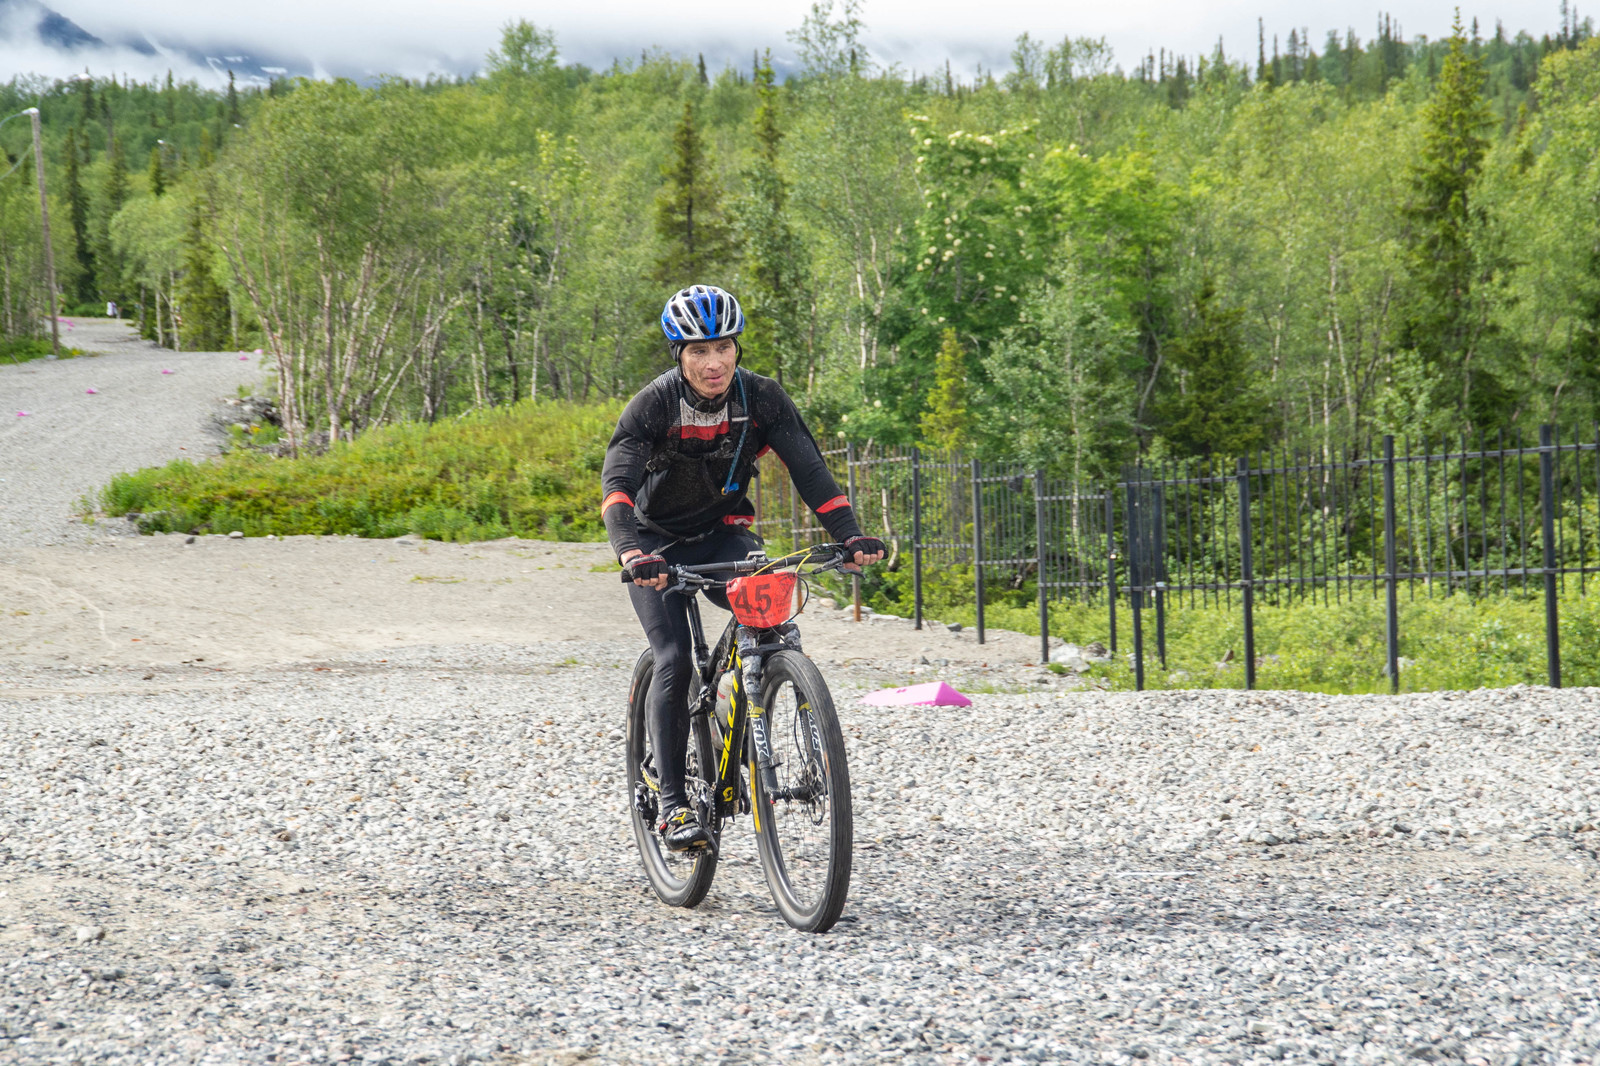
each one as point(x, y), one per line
point(804, 823)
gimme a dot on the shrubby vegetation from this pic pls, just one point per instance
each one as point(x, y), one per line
point(1191, 256)
point(524, 470)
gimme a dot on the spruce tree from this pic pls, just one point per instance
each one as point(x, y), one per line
point(158, 175)
point(1214, 407)
point(233, 101)
point(78, 216)
point(202, 302)
point(773, 253)
point(946, 423)
point(113, 194)
point(1445, 323)
point(695, 239)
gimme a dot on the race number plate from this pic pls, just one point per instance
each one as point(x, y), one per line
point(764, 600)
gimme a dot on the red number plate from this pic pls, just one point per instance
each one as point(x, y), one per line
point(763, 600)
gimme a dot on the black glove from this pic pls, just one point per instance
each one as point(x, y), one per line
point(643, 568)
point(864, 545)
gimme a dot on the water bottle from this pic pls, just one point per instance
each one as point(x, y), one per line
point(724, 698)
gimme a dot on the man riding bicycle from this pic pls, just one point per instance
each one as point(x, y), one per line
point(675, 484)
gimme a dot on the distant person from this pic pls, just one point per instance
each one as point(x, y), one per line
point(111, 309)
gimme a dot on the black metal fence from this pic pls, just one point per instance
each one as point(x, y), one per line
point(1436, 518)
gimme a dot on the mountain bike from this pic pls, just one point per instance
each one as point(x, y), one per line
point(770, 746)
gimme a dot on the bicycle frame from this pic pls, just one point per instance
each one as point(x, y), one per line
point(743, 651)
point(745, 714)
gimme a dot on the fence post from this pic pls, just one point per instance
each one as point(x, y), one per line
point(1038, 538)
point(1111, 561)
point(1547, 507)
point(916, 537)
point(1159, 596)
point(850, 474)
point(1391, 605)
point(977, 544)
point(1247, 575)
point(1135, 541)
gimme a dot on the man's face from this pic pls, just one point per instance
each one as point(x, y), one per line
point(708, 365)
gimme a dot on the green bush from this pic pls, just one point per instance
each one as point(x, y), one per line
point(531, 470)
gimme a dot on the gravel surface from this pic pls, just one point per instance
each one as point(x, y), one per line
point(421, 854)
point(71, 441)
point(426, 859)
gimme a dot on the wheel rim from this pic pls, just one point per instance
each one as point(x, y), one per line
point(799, 817)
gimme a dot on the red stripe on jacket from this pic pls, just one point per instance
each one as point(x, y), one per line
point(703, 432)
point(615, 498)
point(834, 504)
point(746, 520)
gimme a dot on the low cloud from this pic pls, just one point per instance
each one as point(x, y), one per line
point(363, 39)
point(43, 61)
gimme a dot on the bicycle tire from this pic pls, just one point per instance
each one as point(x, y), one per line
point(679, 879)
point(804, 832)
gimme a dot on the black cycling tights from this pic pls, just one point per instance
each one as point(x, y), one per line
point(666, 623)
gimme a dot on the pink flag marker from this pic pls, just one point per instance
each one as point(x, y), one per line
point(244, 359)
point(164, 370)
point(23, 414)
point(91, 392)
point(937, 693)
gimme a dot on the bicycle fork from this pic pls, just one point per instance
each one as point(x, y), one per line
point(748, 699)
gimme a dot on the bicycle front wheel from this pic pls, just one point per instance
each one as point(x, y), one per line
point(679, 878)
point(803, 827)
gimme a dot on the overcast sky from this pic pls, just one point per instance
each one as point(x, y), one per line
point(415, 36)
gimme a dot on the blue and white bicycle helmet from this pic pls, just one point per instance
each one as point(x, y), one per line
point(700, 313)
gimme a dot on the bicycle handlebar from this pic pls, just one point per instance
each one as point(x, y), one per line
point(750, 566)
point(694, 578)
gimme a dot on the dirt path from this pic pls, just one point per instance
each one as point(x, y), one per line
point(241, 603)
point(67, 426)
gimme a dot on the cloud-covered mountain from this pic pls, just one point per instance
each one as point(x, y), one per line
point(36, 39)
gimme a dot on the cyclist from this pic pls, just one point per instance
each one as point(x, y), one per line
point(675, 484)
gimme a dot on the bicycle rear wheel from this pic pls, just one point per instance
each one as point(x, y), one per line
point(679, 878)
point(804, 828)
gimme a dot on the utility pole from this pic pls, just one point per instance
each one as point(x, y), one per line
point(49, 250)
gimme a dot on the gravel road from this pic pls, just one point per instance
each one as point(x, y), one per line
point(60, 441)
point(420, 855)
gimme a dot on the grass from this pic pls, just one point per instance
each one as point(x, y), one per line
point(530, 470)
point(22, 349)
point(1450, 642)
point(1447, 642)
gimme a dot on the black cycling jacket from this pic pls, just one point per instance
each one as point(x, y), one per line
point(669, 460)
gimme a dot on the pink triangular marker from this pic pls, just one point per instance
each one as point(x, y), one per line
point(936, 693)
